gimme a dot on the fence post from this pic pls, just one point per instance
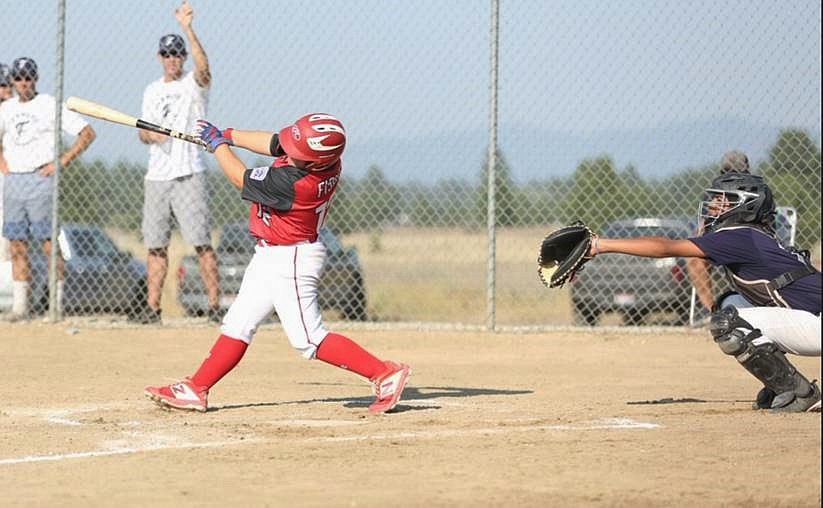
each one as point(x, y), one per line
point(54, 307)
point(490, 210)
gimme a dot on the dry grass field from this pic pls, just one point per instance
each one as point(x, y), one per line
point(590, 418)
point(434, 275)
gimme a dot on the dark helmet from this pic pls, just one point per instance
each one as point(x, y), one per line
point(737, 198)
point(5, 75)
point(172, 44)
point(24, 68)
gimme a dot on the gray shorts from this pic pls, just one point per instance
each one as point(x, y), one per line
point(27, 206)
point(184, 198)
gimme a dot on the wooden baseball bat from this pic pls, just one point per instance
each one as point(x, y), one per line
point(91, 108)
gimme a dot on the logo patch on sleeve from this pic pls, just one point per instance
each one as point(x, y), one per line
point(259, 173)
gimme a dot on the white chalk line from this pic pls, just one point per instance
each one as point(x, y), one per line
point(119, 451)
point(605, 424)
point(158, 441)
point(168, 444)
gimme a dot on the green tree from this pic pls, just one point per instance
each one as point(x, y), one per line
point(505, 196)
point(597, 195)
point(378, 197)
point(792, 170)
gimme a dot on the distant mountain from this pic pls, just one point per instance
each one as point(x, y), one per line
point(538, 154)
point(531, 153)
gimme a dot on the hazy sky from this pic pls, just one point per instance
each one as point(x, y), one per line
point(658, 84)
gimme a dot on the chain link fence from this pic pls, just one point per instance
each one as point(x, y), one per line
point(614, 114)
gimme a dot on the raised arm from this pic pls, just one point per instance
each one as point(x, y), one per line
point(232, 166)
point(202, 74)
point(254, 141)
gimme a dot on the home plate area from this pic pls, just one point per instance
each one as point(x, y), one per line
point(117, 428)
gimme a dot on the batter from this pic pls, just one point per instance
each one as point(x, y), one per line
point(290, 200)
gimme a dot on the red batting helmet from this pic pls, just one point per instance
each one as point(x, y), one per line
point(317, 138)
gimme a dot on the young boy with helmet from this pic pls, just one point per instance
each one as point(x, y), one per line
point(785, 289)
point(289, 203)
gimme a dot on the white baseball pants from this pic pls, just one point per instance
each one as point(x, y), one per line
point(281, 278)
point(794, 331)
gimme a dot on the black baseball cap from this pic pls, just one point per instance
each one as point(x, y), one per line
point(5, 75)
point(172, 44)
point(23, 67)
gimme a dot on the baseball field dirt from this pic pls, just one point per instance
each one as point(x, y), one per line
point(566, 418)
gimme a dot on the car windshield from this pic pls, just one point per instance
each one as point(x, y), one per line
point(91, 242)
point(235, 239)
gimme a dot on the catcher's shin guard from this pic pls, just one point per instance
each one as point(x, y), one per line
point(792, 392)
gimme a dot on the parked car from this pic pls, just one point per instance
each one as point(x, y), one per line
point(99, 277)
point(341, 286)
point(631, 285)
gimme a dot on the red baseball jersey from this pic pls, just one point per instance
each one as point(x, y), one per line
point(289, 205)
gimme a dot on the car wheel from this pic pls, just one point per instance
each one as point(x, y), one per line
point(354, 308)
point(584, 315)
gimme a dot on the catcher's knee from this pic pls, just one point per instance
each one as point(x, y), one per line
point(732, 333)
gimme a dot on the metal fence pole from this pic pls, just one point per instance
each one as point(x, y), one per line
point(54, 307)
point(490, 211)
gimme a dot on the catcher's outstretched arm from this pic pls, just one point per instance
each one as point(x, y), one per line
point(647, 246)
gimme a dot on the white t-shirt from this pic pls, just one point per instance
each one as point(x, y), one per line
point(27, 131)
point(177, 105)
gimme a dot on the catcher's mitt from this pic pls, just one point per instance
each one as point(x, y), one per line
point(563, 253)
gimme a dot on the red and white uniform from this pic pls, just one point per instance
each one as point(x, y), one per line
point(289, 206)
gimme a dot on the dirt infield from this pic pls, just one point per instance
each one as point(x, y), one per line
point(548, 419)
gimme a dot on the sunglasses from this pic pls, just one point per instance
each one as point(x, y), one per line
point(171, 54)
point(4, 85)
point(23, 78)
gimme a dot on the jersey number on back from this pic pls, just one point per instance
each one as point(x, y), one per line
point(322, 211)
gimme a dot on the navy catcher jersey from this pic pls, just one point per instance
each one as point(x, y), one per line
point(754, 255)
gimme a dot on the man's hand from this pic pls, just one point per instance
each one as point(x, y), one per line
point(184, 14)
point(151, 138)
point(47, 169)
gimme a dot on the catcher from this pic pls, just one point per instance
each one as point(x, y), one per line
point(738, 210)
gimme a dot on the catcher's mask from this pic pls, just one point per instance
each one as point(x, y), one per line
point(737, 198)
point(316, 138)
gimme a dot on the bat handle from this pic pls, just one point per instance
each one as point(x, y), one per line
point(190, 138)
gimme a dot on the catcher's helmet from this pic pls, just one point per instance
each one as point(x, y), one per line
point(737, 198)
point(24, 68)
point(316, 138)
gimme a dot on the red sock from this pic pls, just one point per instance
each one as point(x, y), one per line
point(224, 355)
point(346, 354)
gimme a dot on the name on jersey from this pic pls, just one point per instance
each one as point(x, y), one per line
point(327, 186)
